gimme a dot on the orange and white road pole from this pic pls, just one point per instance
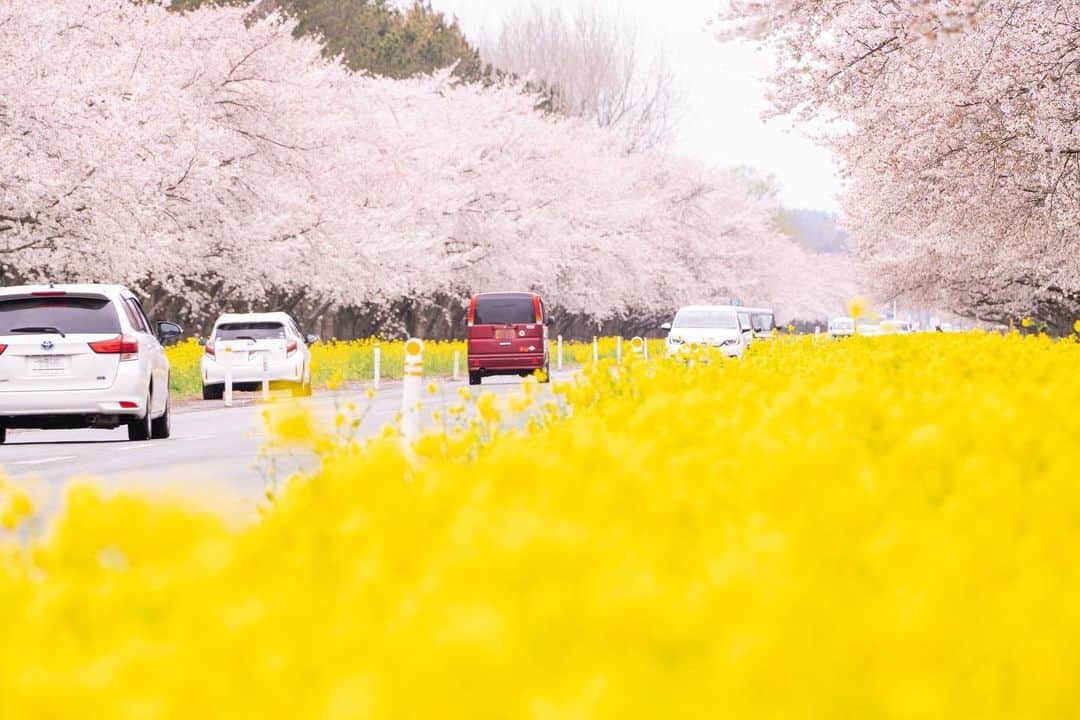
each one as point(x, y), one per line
point(411, 387)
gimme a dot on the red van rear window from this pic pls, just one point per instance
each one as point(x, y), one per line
point(505, 309)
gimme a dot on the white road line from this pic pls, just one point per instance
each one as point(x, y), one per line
point(43, 461)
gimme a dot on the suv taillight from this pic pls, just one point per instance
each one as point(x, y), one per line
point(472, 311)
point(291, 348)
point(2, 349)
point(125, 346)
point(536, 310)
point(209, 348)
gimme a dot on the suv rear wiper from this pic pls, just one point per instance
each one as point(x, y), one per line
point(51, 330)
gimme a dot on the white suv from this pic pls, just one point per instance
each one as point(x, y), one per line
point(79, 356)
point(259, 345)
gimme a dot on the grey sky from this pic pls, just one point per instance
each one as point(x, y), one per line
point(723, 96)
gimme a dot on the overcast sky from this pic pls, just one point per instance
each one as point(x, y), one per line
point(723, 97)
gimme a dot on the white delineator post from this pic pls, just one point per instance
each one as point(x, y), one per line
point(559, 353)
point(618, 349)
point(457, 364)
point(228, 375)
point(817, 333)
point(645, 349)
point(637, 346)
point(378, 366)
point(413, 378)
point(266, 375)
point(595, 350)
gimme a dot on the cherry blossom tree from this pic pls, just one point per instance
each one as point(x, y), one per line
point(217, 162)
point(956, 122)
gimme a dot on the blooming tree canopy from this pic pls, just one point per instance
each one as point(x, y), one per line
point(956, 123)
point(210, 159)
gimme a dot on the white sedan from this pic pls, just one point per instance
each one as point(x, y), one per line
point(82, 356)
point(253, 347)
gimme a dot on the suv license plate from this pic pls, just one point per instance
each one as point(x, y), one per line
point(505, 334)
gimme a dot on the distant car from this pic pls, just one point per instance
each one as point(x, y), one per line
point(763, 320)
point(897, 327)
point(709, 326)
point(507, 335)
point(259, 345)
point(841, 327)
point(82, 356)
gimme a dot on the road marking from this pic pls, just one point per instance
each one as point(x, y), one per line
point(43, 461)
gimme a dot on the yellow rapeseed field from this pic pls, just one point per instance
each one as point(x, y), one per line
point(877, 528)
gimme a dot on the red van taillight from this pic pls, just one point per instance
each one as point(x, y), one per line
point(472, 311)
point(291, 348)
point(209, 348)
point(536, 309)
point(125, 346)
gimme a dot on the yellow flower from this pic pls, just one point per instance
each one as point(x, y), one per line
point(651, 503)
point(432, 388)
point(21, 504)
point(291, 424)
point(370, 393)
point(1076, 327)
point(1027, 322)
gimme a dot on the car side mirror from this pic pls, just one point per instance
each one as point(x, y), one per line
point(666, 326)
point(311, 339)
point(168, 333)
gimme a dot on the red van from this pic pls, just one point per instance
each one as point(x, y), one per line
point(507, 335)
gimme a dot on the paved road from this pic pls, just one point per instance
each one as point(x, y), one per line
point(212, 454)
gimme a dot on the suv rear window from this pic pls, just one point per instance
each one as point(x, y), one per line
point(251, 331)
point(69, 315)
point(504, 310)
